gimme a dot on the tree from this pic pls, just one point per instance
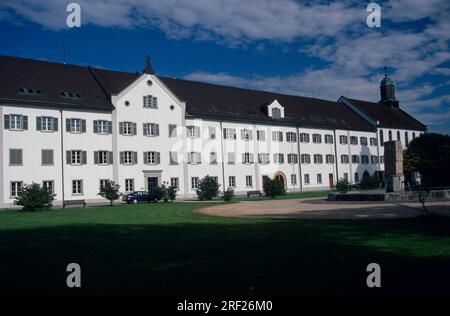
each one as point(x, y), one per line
point(343, 186)
point(208, 188)
point(110, 191)
point(171, 193)
point(368, 183)
point(35, 198)
point(273, 187)
point(228, 195)
point(429, 155)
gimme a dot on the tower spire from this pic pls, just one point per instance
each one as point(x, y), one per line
point(148, 65)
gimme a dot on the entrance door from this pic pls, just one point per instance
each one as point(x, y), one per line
point(280, 178)
point(330, 181)
point(152, 184)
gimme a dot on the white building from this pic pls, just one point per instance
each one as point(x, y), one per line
point(71, 128)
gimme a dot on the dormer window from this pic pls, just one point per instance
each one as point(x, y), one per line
point(276, 113)
point(29, 91)
point(275, 110)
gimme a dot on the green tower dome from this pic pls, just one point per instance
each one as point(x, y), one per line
point(386, 81)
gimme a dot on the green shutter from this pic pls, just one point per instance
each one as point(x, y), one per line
point(109, 127)
point(110, 157)
point(83, 157)
point(121, 128)
point(145, 157)
point(55, 124)
point(96, 154)
point(24, 122)
point(95, 127)
point(6, 124)
point(134, 129)
point(68, 157)
point(144, 129)
point(83, 126)
point(39, 123)
point(158, 158)
point(122, 157)
point(67, 125)
point(135, 157)
point(156, 129)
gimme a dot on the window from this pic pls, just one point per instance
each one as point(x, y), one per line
point(231, 158)
point(151, 129)
point(175, 182)
point(278, 158)
point(318, 159)
point(292, 158)
point(128, 158)
point(356, 177)
point(381, 138)
point(102, 127)
point(343, 140)
point(398, 135)
point(414, 135)
point(293, 179)
point(103, 183)
point(328, 139)
point(129, 185)
point(276, 113)
point(173, 156)
point(16, 188)
point(319, 178)
point(363, 141)
point(406, 139)
point(291, 137)
point(76, 157)
point(16, 122)
point(306, 176)
point(305, 159)
point(365, 159)
point(15, 157)
point(30, 91)
point(304, 138)
point(213, 158)
point(152, 158)
point(194, 158)
point(317, 138)
point(345, 176)
point(229, 133)
point(246, 134)
point(127, 128)
point(212, 132)
point(248, 181)
point(46, 124)
point(329, 159)
point(49, 185)
point(355, 159)
point(373, 141)
point(47, 157)
point(172, 130)
point(103, 157)
point(193, 131)
point(353, 140)
point(374, 159)
point(247, 158)
point(390, 135)
point(75, 125)
point(344, 159)
point(194, 183)
point(381, 159)
point(70, 95)
point(277, 136)
point(150, 102)
point(261, 135)
point(263, 158)
point(232, 181)
point(77, 187)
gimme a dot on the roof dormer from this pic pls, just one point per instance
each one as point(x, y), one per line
point(275, 110)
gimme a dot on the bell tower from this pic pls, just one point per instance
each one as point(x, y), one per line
point(387, 91)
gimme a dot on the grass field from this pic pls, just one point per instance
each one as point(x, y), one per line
point(168, 249)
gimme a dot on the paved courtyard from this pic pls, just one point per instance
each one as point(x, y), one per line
point(319, 208)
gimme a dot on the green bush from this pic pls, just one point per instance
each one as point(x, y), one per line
point(34, 198)
point(228, 195)
point(171, 193)
point(273, 188)
point(368, 183)
point(343, 186)
point(208, 188)
point(110, 191)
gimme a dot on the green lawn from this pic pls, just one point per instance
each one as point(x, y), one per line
point(167, 249)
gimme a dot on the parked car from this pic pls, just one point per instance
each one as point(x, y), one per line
point(136, 197)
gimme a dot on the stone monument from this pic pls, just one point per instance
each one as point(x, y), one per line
point(393, 166)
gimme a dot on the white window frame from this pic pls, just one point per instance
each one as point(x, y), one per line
point(232, 181)
point(15, 122)
point(16, 187)
point(52, 185)
point(77, 187)
point(128, 157)
point(75, 157)
point(129, 185)
point(194, 182)
point(249, 181)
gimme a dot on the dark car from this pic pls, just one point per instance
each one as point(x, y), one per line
point(136, 197)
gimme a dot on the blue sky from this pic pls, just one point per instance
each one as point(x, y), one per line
point(312, 48)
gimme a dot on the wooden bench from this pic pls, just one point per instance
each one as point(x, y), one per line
point(250, 193)
point(74, 202)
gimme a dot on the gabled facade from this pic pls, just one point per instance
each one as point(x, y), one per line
point(71, 128)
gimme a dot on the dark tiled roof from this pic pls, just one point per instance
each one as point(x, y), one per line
point(51, 79)
point(387, 116)
point(210, 100)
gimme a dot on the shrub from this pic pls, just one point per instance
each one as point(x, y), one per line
point(273, 188)
point(34, 198)
point(157, 194)
point(171, 193)
point(110, 191)
point(208, 188)
point(228, 195)
point(343, 186)
point(368, 183)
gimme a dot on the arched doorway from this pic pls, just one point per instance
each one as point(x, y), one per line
point(280, 176)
